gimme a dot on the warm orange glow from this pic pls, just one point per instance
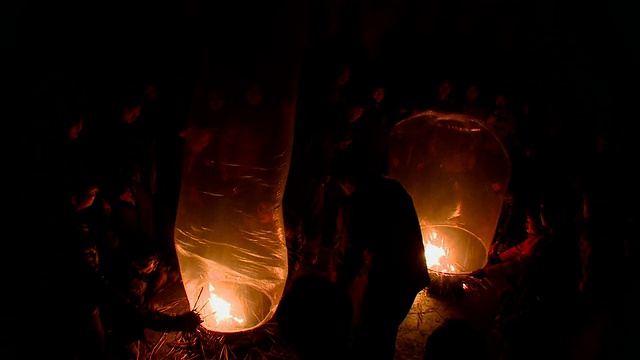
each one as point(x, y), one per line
point(437, 256)
point(457, 172)
point(223, 310)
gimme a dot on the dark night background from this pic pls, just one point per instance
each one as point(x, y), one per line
point(575, 60)
point(574, 56)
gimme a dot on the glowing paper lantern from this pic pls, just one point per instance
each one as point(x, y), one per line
point(457, 172)
point(229, 232)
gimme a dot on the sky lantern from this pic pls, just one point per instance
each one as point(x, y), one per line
point(229, 230)
point(457, 172)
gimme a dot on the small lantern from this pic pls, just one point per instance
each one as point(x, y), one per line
point(457, 172)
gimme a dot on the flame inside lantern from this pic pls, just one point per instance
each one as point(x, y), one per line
point(234, 287)
point(437, 256)
point(452, 249)
point(222, 309)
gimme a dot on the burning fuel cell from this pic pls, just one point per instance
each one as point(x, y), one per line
point(457, 172)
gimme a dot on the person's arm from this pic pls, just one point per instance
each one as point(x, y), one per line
point(149, 318)
point(511, 253)
point(525, 248)
point(512, 268)
point(156, 320)
point(514, 260)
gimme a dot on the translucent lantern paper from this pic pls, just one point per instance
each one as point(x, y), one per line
point(229, 233)
point(457, 172)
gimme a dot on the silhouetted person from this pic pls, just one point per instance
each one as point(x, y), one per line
point(539, 315)
point(445, 101)
point(314, 318)
point(456, 339)
point(472, 105)
point(382, 254)
point(80, 288)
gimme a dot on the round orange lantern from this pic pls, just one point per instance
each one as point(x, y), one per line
point(457, 172)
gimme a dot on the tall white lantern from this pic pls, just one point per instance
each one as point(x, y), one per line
point(229, 232)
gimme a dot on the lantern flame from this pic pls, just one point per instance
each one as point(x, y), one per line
point(222, 309)
point(437, 256)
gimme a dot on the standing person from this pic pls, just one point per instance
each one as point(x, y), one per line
point(73, 263)
point(472, 105)
point(325, 334)
point(502, 121)
point(381, 254)
point(126, 144)
point(445, 101)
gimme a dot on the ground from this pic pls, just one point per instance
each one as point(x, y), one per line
point(477, 303)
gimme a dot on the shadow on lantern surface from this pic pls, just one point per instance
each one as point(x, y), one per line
point(229, 232)
point(457, 172)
